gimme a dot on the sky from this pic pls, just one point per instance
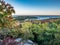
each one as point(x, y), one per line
point(35, 7)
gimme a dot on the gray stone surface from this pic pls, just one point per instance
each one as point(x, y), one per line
point(28, 42)
point(1, 43)
point(18, 39)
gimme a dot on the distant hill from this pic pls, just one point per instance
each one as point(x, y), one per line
point(25, 17)
point(18, 17)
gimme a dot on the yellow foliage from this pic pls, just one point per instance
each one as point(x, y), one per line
point(26, 24)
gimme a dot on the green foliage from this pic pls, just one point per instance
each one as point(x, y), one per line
point(8, 25)
point(47, 33)
point(6, 11)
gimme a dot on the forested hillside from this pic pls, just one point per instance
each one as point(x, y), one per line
point(44, 32)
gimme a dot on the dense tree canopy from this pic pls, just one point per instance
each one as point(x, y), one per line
point(47, 33)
